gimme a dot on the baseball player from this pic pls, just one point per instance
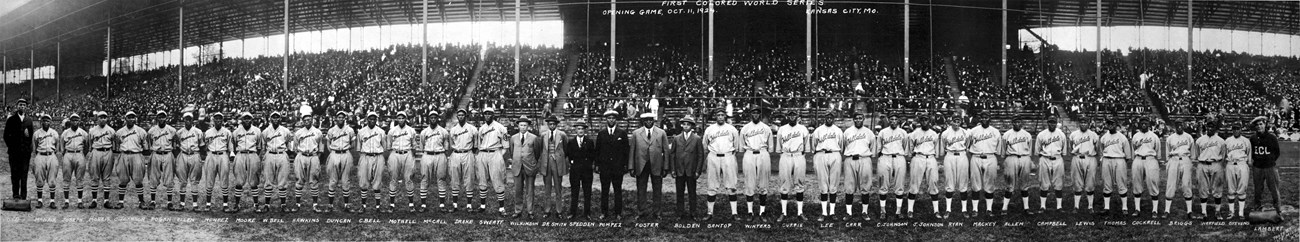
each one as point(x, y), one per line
point(1016, 149)
point(101, 158)
point(757, 161)
point(956, 166)
point(1209, 172)
point(74, 163)
point(1083, 162)
point(434, 142)
point(722, 141)
point(793, 140)
point(827, 141)
point(490, 161)
point(923, 141)
point(1147, 152)
point(188, 163)
point(1180, 147)
point(308, 142)
point(984, 142)
point(370, 167)
point(275, 167)
point(217, 167)
point(1049, 148)
point(131, 141)
point(460, 165)
point(892, 165)
point(339, 167)
point(860, 147)
point(401, 162)
point(1116, 150)
point(162, 162)
point(248, 144)
point(1236, 173)
point(45, 165)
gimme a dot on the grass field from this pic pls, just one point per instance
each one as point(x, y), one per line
point(132, 224)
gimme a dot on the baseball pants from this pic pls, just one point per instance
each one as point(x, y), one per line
point(216, 171)
point(791, 170)
point(1114, 175)
point(1146, 175)
point(758, 168)
point(130, 171)
point(306, 168)
point(1017, 172)
point(956, 172)
point(893, 174)
point(162, 172)
point(99, 170)
point(370, 172)
point(275, 175)
point(828, 168)
point(433, 170)
point(401, 169)
point(337, 172)
point(1179, 176)
point(460, 174)
point(1051, 170)
point(45, 169)
point(491, 167)
point(1238, 176)
point(246, 171)
point(720, 172)
point(924, 171)
point(983, 173)
point(1210, 178)
point(857, 175)
point(1083, 172)
point(189, 169)
point(73, 166)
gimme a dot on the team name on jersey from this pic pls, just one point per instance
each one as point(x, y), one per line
point(1016, 139)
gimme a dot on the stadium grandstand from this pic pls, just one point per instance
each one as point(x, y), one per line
point(1067, 60)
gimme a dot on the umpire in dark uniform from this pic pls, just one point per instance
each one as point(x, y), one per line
point(18, 137)
point(611, 162)
point(581, 151)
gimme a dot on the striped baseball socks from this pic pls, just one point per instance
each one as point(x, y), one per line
point(798, 203)
point(848, 204)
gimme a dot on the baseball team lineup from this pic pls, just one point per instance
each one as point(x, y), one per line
point(886, 161)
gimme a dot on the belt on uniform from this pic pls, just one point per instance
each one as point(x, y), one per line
point(246, 152)
point(130, 152)
point(161, 152)
point(462, 151)
point(275, 152)
point(187, 152)
point(71, 151)
point(1146, 156)
point(400, 151)
point(756, 152)
point(216, 152)
point(340, 151)
point(45, 153)
point(1082, 157)
point(720, 155)
point(371, 154)
point(828, 151)
point(306, 153)
point(434, 152)
point(982, 156)
point(957, 152)
point(1016, 156)
point(855, 157)
point(102, 149)
point(926, 156)
point(489, 150)
point(892, 155)
point(1050, 157)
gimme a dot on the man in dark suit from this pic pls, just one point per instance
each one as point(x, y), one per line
point(581, 151)
point(18, 137)
point(611, 163)
point(649, 150)
point(686, 163)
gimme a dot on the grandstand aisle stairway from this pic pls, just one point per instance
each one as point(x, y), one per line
point(468, 96)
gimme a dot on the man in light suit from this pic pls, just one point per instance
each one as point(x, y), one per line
point(649, 149)
point(686, 162)
point(524, 155)
point(554, 165)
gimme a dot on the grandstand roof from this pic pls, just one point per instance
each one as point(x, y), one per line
point(145, 26)
point(1279, 17)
